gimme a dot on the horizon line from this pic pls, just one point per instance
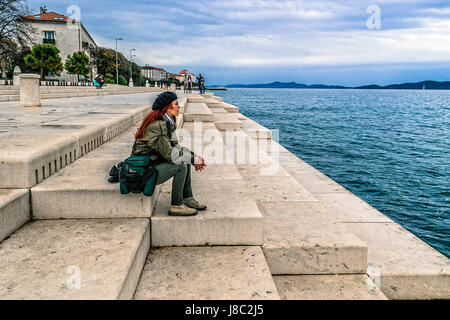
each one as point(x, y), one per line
point(331, 85)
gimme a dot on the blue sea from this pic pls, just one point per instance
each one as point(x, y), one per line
point(389, 147)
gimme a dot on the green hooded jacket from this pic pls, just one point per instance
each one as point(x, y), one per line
point(158, 144)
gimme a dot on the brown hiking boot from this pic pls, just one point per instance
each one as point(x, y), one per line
point(182, 211)
point(192, 203)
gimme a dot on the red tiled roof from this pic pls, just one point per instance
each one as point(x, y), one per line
point(150, 68)
point(48, 16)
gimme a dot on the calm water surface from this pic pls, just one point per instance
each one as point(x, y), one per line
point(391, 148)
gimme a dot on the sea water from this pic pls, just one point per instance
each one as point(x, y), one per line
point(391, 148)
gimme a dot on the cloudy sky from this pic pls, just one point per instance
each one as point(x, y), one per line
point(257, 41)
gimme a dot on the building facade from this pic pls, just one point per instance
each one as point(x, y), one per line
point(154, 73)
point(68, 35)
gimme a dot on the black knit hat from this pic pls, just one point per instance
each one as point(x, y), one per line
point(163, 100)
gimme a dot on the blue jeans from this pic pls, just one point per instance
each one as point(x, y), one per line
point(181, 184)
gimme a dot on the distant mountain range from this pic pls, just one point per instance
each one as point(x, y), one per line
point(428, 85)
point(278, 84)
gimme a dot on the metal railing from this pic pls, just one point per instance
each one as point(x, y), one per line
point(5, 82)
point(50, 41)
point(66, 84)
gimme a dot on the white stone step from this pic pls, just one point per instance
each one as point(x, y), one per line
point(198, 112)
point(46, 260)
point(244, 136)
point(300, 235)
point(52, 89)
point(195, 99)
point(240, 116)
point(206, 273)
point(213, 103)
point(182, 102)
point(65, 95)
point(61, 93)
point(82, 190)
point(348, 208)
point(312, 179)
point(345, 206)
point(255, 130)
point(242, 149)
point(327, 287)
point(273, 184)
point(68, 93)
point(9, 92)
point(111, 123)
point(301, 238)
point(404, 266)
point(14, 210)
point(219, 110)
point(5, 98)
point(30, 154)
point(199, 127)
point(226, 122)
point(218, 99)
point(6, 87)
point(232, 217)
point(407, 267)
point(230, 108)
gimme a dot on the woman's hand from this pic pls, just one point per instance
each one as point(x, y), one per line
point(199, 163)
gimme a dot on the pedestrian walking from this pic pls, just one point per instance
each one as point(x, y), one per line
point(201, 83)
point(190, 83)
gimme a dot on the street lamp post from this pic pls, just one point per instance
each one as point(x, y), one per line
point(117, 63)
point(131, 63)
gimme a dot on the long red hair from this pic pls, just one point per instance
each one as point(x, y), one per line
point(149, 118)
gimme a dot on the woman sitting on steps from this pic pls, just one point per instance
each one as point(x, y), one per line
point(157, 138)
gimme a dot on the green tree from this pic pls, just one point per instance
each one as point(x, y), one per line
point(78, 64)
point(138, 78)
point(122, 80)
point(143, 79)
point(105, 60)
point(109, 78)
point(44, 57)
point(18, 60)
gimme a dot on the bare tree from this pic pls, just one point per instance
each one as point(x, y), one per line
point(14, 35)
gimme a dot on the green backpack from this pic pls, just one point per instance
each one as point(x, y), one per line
point(137, 175)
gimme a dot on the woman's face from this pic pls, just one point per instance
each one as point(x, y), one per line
point(174, 109)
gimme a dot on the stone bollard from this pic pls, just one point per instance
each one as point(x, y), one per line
point(30, 95)
point(173, 87)
point(156, 85)
point(146, 84)
point(16, 78)
point(131, 83)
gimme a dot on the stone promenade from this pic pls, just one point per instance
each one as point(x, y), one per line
point(275, 227)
